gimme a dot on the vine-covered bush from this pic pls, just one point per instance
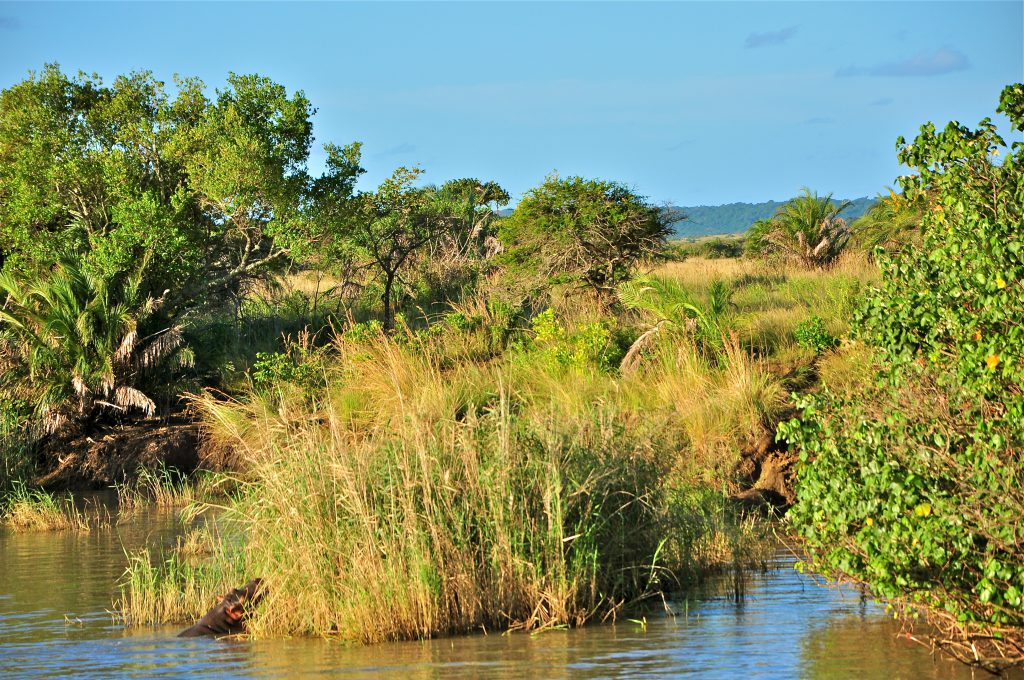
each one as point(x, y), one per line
point(915, 483)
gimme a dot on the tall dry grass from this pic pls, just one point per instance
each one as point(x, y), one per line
point(409, 500)
point(468, 475)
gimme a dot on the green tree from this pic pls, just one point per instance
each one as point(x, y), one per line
point(593, 231)
point(807, 229)
point(473, 206)
point(393, 224)
point(210, 187)
point(330, 209)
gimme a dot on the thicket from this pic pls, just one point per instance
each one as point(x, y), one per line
point(913, 481)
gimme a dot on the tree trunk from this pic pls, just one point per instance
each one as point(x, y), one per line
point(389, 313)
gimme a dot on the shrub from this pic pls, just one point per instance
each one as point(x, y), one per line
point(915, 484)
point(718, 247)
point(813, 335)
point(591, 231)
point(587, 345)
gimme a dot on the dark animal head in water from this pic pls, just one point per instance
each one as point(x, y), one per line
point(227, 617)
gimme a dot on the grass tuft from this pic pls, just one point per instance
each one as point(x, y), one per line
point(38, 510)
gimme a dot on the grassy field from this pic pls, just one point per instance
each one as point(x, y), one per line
point(479, 473)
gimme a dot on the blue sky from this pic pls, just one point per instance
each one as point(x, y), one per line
point(688, 102)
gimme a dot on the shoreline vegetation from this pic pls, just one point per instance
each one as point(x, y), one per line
point(459, 484)
point(408, 401)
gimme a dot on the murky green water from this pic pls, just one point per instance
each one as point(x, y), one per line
point(56, 590)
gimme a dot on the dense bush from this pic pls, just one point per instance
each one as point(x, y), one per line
point(914, 484)
point(591, 231)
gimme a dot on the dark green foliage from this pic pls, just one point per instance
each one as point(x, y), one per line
point(15, 442)
point(714, 248)
point(915, 482)
point(210, 188)
point(591, 231)
point(719, 247)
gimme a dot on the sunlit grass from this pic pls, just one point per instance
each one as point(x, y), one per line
point(27, 509)
point(165, 487)
point(454, 479)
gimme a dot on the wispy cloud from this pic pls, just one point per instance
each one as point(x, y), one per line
point(770, 37)
point(9, 24)
point(923, 64)
point(882, 101)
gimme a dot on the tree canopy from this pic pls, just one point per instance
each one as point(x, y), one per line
point(209, 187)
point(592, 230)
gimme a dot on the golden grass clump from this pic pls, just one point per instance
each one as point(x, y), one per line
point(502, 496)
point(37, 510)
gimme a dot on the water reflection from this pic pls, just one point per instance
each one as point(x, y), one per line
point(55, 590)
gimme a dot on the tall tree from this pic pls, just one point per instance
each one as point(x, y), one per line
point(392, 224)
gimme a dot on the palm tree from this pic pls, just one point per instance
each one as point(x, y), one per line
point(75, 344)
point(808, 229)
point(892, 222)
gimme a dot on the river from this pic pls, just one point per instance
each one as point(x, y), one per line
point(56, 590)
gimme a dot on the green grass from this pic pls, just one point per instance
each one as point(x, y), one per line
point(168, 488)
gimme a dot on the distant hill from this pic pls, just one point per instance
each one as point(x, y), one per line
point(736, 218)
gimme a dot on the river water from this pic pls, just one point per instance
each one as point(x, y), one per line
point(56, 590)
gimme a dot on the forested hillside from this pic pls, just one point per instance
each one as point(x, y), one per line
point(736, 218)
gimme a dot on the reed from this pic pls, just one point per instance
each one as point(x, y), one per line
point(498, 496)
point(165, 487)
point(28, 509)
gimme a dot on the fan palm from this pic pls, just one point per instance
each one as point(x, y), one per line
point(74, 343)
point(808, 229)
point(892, 222)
